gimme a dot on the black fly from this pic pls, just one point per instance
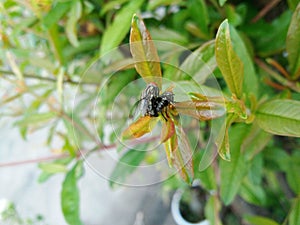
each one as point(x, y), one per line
point(152, 103)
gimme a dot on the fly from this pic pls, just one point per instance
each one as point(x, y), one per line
point(151, 103)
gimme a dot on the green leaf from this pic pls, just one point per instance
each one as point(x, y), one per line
point(35, 118)
point(198, 12)
point(144, 52)
point(200, 64)
point(212, 210)
point(259, 220)
point(280, 117)
point(292, 169)
point(233, 172)
point(293, 43)
point(228, 61)
point(254, 194)
point(294, 216)
point(56, 13)
point(126, 165)
point(165, 34)
point(115, 33)
point(255, 142)
point(72, 22)
point(222, 2)
point(292, 4)
point(250, 82)
point(53, 167)
point(70, 195)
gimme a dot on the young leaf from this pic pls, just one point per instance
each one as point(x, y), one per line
point(144, 52)
point(126, 166)
point(70, 196)
point(228, 61)
point(280, 117)
point(140, 127)
point(168, 130)
point(293, 43)
point(116, 32)
point(233, 172)
point(250, 82)
point(179, 155)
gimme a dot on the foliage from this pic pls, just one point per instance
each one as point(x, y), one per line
point(58, 72)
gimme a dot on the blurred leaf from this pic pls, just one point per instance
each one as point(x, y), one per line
point(70, 195)
point(126, 165)
point(144, 52)
point(293, 44)
point(250, 82)
point(222, 2)
point(140, 127)
point(56, 13)
point(280, 117)
point(35, 118)
point(228, 61)
point(253, 194)
point(165, 34)
point(112, 5)
point(292, 4)
point(153, 4)
point(115, 33)
point(115, 84)
point(207, 177)
point(200, 64)
point(255, 142)
point(233, 17)
point(269, 38)
point(53, 167)
point(72, 22)
point(233, 172)
point(212, 210)
point(294, 216)
point(259, 220)
point(198, 11)
point(292, 169)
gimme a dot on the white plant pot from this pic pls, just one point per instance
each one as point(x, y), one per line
point(175, 210)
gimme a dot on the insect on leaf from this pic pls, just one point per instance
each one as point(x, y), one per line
point(144, 52)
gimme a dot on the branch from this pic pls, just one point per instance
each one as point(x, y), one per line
point(80, 153)
point(49, 79)
point(265, 10)
point(277, 76)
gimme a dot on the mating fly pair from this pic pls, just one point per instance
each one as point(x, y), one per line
point(151, 103)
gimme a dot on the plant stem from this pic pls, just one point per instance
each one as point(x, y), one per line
point(265, 10)
point(277, 76)
point(65, 155)
point(49, 79)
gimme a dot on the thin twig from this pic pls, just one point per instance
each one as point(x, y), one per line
point(277, 76)
point(65, 155)
point(265, 10)
point(49, 79)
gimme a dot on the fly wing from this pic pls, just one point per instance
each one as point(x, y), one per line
point(201, 110)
